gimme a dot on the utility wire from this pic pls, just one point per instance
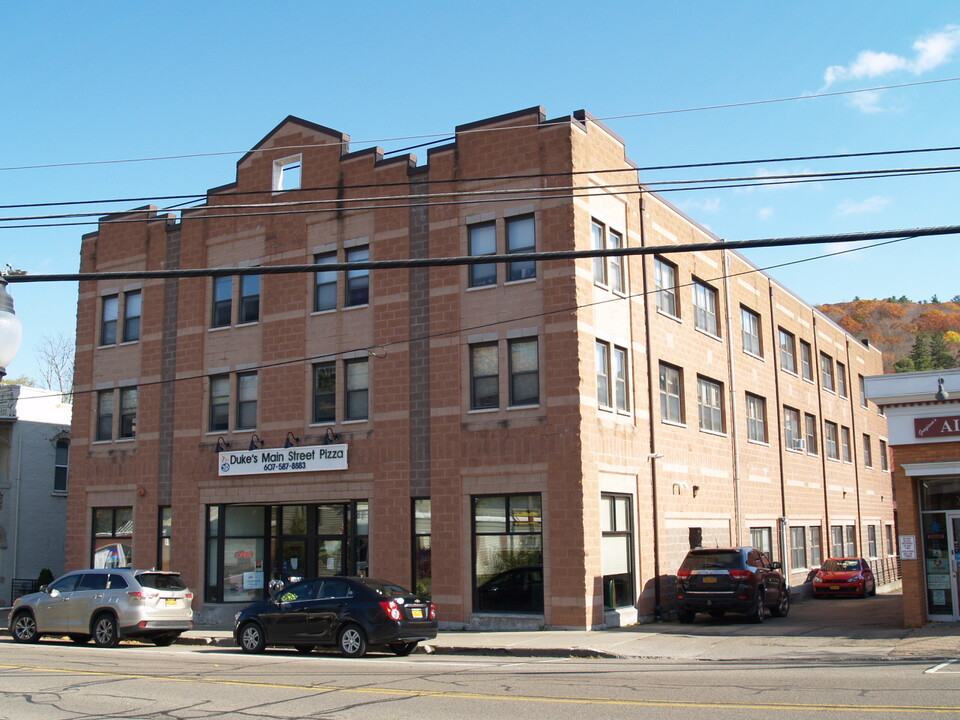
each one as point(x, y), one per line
point(809, 96)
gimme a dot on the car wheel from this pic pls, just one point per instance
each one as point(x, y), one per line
point(105, 633)
point(164, 639)
point(717, 614)
point(79, 639)
point(352, 641)
point(402, 649)
point(758, 613)
point(873, 590)
point(305, 649)
point(783, 605)
point(252, 639)
point(685, 616)
point(25, 628)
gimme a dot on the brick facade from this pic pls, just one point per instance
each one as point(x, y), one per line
point(422, 439)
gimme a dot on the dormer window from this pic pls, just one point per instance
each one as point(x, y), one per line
point(286, 174)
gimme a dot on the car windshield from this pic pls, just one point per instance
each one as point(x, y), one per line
point(712, 560)
point(841, 565)
point(386, 589)
point(161, 581)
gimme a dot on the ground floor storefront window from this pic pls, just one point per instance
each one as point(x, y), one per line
point(940, 514)
point(422, 547)
point(112, 545)
point(249, 545)
point(508, 553)
point(616, 551)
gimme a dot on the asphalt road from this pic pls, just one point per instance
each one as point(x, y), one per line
point(60, 680)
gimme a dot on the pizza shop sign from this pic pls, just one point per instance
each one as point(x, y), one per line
point(283, 460)
point(933, 427)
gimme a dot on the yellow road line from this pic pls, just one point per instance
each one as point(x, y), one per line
point(514, 698)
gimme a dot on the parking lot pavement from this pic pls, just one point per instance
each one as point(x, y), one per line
point(831, 629)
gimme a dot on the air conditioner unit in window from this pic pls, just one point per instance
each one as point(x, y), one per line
point(799, 444)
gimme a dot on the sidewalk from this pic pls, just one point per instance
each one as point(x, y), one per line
point(822, 630)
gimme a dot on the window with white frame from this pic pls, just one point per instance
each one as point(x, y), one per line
point(850, 540)
point(791, 429)
point(621, 379)
point(884, 459)
point(358, 280)
point(845, 445)
point(665, 281)
point(616, 523)
point(110, 311)
point(867, 451)
point(616, 263)
point(841, 379)
point(219, 410)
point(798, 547)
point(287, 173)
point(484, 376)
point(128, 412)
point(61, 465)
point(247, 392)
point(750, 331)
point(132, 308)
point(521, 238)
point(826, 372)
point(325, 284)
point(222, 301)
point(613, 389)
point(482, 240)
point(871, 541)
point(249, 299)
point(836, 541)
point(889, 539)
point(105, 405)
point(356, 390)
point(671, 394)
point(524, 370)
point(113, 313)
point(810, 433)
point(756, 418)
point(710, 404)
point(603, 375)
point(522, 379)
point(788, 350)
point(598, 235)
point(705, 308)
point(832, 439)
point(863, 390)
point(806, 360)
point(816, 553)
point(762, 539)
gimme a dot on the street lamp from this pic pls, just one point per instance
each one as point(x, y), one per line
point(11, 331)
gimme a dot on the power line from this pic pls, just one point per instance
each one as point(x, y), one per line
point(701, 108)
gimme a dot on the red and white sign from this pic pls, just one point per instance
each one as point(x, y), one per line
point(933, 427)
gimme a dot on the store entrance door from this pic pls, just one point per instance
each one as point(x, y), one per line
point(953, 525)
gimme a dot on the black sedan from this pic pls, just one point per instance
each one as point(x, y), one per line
point(351, 613)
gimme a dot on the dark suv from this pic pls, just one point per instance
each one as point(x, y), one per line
point(740, 579)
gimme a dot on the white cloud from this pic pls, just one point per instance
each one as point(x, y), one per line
point(710, 205)
point(870, 205)
point(931, 51)
point(765, 213)
point(868, 102)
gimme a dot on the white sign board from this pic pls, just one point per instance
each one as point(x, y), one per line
point(315, 458)
point(908, 547)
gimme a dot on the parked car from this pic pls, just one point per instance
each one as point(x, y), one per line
point(350, 613)
point(737, 579)
point(519, 589)
point(107, 605)
point(844, 576)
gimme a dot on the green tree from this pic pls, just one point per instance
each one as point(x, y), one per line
point(940, 355)
point(22, 380)
point(920, 354)
point(903, 365)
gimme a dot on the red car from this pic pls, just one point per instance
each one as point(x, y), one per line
point(844, 576)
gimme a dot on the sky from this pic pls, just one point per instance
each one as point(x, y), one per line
point(94, 92)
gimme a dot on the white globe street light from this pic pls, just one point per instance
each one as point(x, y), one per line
point(11, 331)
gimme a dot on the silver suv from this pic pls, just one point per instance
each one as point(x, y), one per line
point(106, 605)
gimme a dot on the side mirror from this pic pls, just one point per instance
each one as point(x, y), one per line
point(776, 566)
point(42, 588)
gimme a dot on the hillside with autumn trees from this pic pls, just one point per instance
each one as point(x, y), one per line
point(922, 335)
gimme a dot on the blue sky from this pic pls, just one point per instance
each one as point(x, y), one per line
point(110, 80)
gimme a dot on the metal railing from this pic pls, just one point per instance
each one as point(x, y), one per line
point(22, 586)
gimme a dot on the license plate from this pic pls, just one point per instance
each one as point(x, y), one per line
point(709, 579)
point(834, 587)
point(416, 612)
point(171, 602)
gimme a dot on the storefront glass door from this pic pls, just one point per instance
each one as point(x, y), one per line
point(941, 540)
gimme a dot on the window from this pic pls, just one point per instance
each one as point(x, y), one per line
point(806, 360)
point(833, 449)
point(816, 555)
point(521, 238)
point(484, 376)
point(798, 548)
point(61, 465)
point(247, 400)
point(889, 539)
point(524, 371)
point(788, 359)
point(671, 394)
point(616, 551)
point(845, 448)
point(105, 415)
point(249, 299)
point(810, 433)
point(108, 320)
point(617, 281)
point(325, 392)
point(863, 390)
point(884, 460)
point(508, 553)
point(599, 263)
point(665, 279)
point(128, 412)
point(287, 173)
point(841, 379)
point(836, 541)
point(750, 332)
point(621, 385)
point(112, 537)
point(325, 284)
point(132, 306)
point(850, 540)
point(791, 429)
point(710, 404)
point(356, 389)
point(219, 403)
point(867, 451)
point(163, 540)
point(756, 418)
point(705, 308)
point(358, 281)
point(826, 372)
point(761, 538)
point(871, 541)
point(603, 374)
point(482, 240)
point(422, 546)
point(222, 301)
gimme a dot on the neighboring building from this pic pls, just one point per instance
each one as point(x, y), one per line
point(34, 462)
point(923, 409)
point(574, 424)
